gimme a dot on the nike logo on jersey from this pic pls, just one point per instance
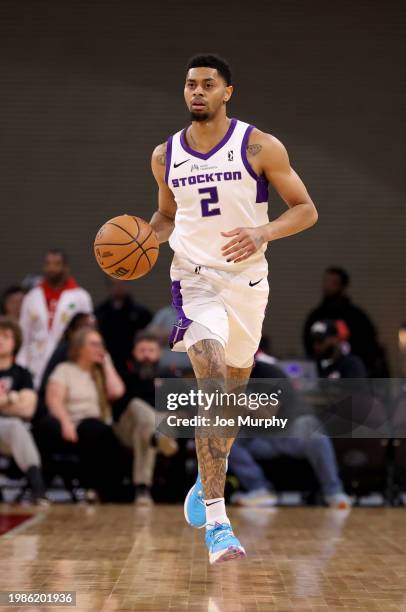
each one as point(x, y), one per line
point(175, 165)
point(251, 284)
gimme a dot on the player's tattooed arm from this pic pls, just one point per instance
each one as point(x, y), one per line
point(275, 165)
point(268, 158)
point(253, 149)
point(161, 154)
point(162, 221)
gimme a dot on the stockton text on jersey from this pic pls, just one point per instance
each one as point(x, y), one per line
point(206, 178)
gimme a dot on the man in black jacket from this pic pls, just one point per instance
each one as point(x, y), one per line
point(119, 318)
point(337, 306)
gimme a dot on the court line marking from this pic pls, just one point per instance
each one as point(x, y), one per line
point(36, 518)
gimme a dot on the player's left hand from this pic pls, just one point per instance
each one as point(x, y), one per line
point(245, 242)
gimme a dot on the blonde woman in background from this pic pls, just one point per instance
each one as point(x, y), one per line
point(78, 396)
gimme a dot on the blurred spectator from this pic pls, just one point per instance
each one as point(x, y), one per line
point(337, 306)
point(303, 440)
point(61, 352)
point(119, 318)
point(161, 326)
point(30, 281)
point(46, 310)
point(135, 417)
point(332, 361)
point(11, 301)
point(263, 353)
point(162, 323)
point(17, 405)
point(78, 395)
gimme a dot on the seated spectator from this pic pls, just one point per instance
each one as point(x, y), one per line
point(135, 417)
point(10, 303)
point(333, 360)
point(304, 440)
point(336, 305)
point(61, 352)
point(119, 318)
point(17, 405)
point(77, 396)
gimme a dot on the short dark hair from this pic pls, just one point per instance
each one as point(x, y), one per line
point(59, 252)
point(343, 274)
point(6, 294)
point(76, 323)
point(7, 323)
point(209, 60)
point(145, 335)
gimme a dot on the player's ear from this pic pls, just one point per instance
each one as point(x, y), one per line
point(228, 93)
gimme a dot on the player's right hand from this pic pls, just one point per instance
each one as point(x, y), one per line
point(245, 242)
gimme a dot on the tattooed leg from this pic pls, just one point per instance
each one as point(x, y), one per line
point(208, 361)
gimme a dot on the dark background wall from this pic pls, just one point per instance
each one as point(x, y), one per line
point(88, 89)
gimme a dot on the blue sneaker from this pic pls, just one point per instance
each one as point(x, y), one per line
point(194, 508)
point(222, 544)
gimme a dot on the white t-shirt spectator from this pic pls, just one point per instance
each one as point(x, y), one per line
point(82, 400)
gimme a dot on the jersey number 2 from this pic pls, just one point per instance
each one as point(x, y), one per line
point(206, 203)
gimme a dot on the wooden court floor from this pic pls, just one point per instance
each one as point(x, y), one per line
point(123, 558)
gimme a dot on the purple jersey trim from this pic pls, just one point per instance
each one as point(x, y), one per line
point(182, 322)
point(262, 190)
point(262, 183)
point(244, 158)
point(168, 158)
point(218, 146)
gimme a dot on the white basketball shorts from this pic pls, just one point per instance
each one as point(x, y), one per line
point(230, 304)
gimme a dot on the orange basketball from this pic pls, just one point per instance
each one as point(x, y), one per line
point(126, 247)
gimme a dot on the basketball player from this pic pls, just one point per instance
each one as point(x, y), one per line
point(213, 197)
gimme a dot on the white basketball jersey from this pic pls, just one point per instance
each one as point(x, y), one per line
point(214, 192)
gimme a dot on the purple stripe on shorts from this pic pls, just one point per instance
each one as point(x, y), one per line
point(182, 322)
point(168, 158)
point(218, 146)
point(262, 183)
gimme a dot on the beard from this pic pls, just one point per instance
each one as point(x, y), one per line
point(147, 369)
point(199, 116)
point(56, 278)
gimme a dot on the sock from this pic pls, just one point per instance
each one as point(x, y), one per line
point(215, 511)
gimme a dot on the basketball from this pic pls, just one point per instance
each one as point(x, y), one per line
point(126, 248)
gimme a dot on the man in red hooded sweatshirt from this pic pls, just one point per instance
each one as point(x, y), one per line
point(46, 311)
